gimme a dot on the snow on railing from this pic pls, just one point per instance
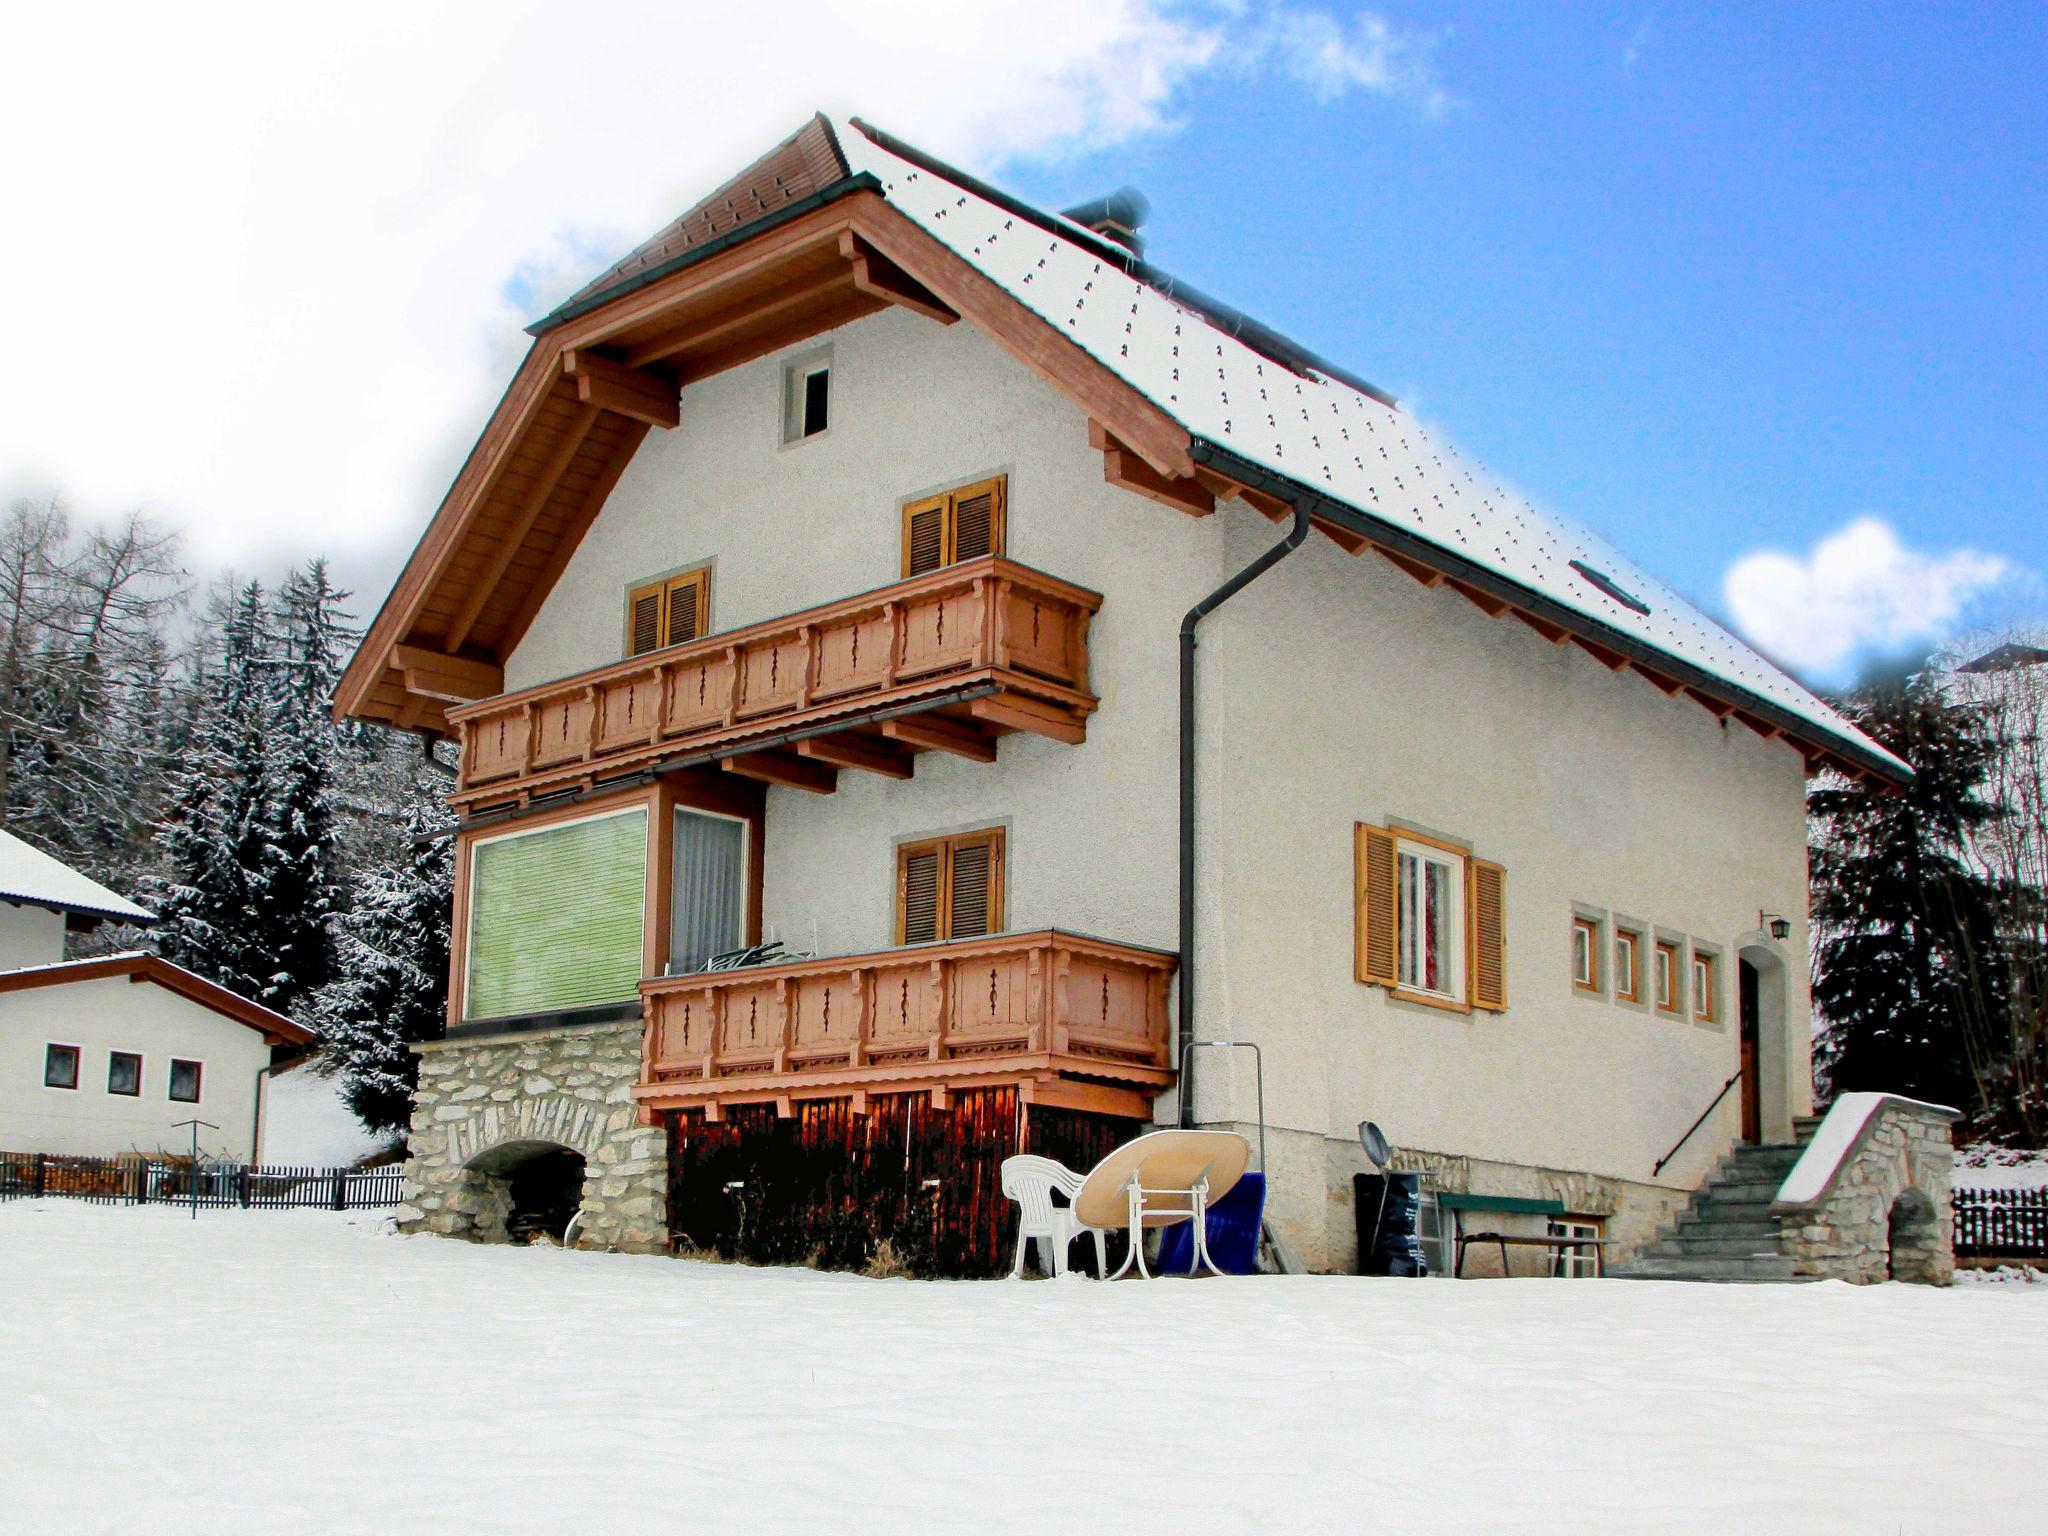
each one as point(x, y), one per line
point(1849, 1121)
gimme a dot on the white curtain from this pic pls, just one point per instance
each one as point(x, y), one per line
point(710, 889)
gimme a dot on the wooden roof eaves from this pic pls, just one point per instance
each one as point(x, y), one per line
point(1693, 680)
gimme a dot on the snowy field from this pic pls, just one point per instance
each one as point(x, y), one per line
point(306, 1124)
point(276, 1372)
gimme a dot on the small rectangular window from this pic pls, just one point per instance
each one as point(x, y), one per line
point(1703, 996)
point(950, 887)
point(944, 530)
point(60, 1066)
point(1628, 966)
point(185, 1081)
point(124, 1073)
point(1573, 1262)
point(806, 397)
point(1667, 976)
point(672, 611)
point(1431, 920)
point(1585, 954)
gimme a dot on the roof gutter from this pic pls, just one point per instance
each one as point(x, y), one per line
point(1402, 542)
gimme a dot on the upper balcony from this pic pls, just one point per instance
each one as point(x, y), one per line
point(946, 661)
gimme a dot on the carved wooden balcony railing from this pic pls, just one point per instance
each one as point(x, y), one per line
point(1072, 1022)
point(945, 661)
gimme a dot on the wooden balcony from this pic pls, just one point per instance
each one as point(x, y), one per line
point(947, 661)
point(1072, 1022)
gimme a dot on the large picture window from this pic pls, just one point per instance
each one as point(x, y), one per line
point(557, 917)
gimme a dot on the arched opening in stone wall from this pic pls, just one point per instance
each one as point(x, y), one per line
point(533, 1189)
point(1914, 1239)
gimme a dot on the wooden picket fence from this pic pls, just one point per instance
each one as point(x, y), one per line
point(2001, 1223)
point(149, 1181)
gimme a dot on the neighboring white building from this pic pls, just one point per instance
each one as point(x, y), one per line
point(821, 578)
point(103, 1057)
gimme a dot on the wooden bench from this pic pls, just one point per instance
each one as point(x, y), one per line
point(1514, 1205)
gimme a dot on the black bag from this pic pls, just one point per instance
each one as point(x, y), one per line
point(1386, 1206)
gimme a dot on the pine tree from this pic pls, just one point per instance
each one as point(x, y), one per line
point(294, 887)
point(215, 838)
point(392, 987)
point(1905, 960)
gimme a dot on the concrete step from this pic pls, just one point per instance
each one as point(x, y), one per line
point(1725, 1207)
point(1693, 1224)
point(1693, 1245)
point(1741, 1191)
point(1722, 1269)
point(1761, 1158)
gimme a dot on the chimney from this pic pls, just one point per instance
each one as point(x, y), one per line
point(1115, 217)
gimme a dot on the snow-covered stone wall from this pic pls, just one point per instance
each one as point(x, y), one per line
point(1869, 1199)
point(485, 1106)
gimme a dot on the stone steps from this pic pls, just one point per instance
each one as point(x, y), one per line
point(1727, 1233)
point(1770, 1269)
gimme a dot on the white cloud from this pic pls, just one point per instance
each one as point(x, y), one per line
point(1370, 55)
point(267, 266)
point(1860, 591)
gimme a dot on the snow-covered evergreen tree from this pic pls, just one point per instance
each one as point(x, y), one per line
point(391, 986)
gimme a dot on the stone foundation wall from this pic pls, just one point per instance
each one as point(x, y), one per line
point(485, 1105)
point(1884, 1214)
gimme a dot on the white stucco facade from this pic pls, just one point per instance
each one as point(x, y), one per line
point(29, 936)
point(106, 1014)
point(1336, 690)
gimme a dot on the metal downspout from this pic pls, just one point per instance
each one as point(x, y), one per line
point(1244, 578)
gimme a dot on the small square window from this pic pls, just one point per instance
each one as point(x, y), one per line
point(1628, 966)
point(185, 1081)
point(60, 1066)
point(1575, 1263)
point(124, 1073)
point(806, 398)
point(1704, 1002)
point(1667, 976)
point(1586, 954)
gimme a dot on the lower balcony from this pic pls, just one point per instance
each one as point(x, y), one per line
point(1072, 1022)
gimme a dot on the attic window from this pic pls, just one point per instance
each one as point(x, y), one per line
point(1611, 587)
point(807, 397)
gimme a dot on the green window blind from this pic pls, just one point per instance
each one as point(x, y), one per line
point(556, 917)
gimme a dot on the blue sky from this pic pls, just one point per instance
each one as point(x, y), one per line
point(1708, 286)
point(1752, 290)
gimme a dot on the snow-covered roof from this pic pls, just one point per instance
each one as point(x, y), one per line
point(1319, 431)
point(30, 876)
point(140, 965)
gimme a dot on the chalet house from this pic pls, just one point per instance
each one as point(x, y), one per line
point(104, 1056)
point(830, 574)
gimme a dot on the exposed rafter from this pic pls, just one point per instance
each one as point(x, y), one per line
point(630, 392)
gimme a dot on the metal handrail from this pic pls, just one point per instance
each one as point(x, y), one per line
point(1716, 1104)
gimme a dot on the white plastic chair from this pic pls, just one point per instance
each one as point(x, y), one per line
point(1030, 1182)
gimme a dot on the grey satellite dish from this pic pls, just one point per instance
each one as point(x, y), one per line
point(1374, 1140)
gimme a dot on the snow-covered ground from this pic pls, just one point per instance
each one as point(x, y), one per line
point(306, 1124)
point(1987, 1167)
point(278, 1372)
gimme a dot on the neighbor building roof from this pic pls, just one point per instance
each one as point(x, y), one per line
point(139, 966)
point(30, 877)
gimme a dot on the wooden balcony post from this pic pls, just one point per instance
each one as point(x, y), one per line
point(942, 1007)
point(785, 1022)
point(732, 698)
point(984, 638)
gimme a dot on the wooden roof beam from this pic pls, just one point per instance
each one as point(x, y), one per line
point(775, 768)
point(1429, 576)
point(746, 348)
point(851, 750)
point(932, 733)
point(879, 277)
point(631, 392)
point(728, 327)
point(1493, 607)
point(1613, 661)
point(1122, 468)
point(454, 678)
point(536, 498)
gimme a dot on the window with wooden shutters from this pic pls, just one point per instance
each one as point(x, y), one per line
point(669, 611)
point(962, 524)
point(1431, 920)
point(950, 887)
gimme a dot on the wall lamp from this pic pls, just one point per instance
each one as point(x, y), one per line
point(1780, 927)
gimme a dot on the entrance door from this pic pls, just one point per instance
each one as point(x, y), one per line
point(1752, 1077)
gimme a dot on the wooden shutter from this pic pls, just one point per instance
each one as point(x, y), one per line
point(924, 536)
point(687, 601)
point(1377, 912)
point(1486, 904)
point(977, 521)
point(950, 888)
point(643, 620)
point(919, 876)
point(960, 525)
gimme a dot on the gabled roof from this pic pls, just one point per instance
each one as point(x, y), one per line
point(31, 877)
point(139, 966)
point(1210, 401)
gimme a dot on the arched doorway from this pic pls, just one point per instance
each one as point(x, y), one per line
point(529, 1189)
point(1913, 1252)
point(1765, 1043)
point(1749, 1022)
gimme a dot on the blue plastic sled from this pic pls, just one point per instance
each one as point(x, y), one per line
point(1233, 1232)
